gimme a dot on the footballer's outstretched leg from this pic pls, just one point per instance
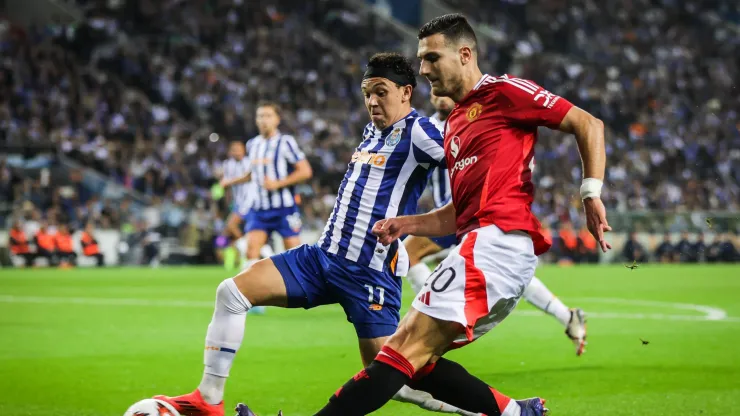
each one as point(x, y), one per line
point(403, 360)
point(573, 319)
point(261, 284)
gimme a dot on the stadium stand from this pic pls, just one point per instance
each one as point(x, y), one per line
point(149, 93)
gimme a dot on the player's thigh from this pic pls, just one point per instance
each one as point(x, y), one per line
point(420, 338)
point(418, 248)
point(370, 347)
point(371, 299)
point(291, 242)
point(263, 284)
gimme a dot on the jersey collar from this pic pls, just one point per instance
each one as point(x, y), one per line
point(472, 92)
point(412, 114)
point(481, 81)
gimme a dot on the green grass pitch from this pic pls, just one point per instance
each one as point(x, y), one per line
point(91, 342)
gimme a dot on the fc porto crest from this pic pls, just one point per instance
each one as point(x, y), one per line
point(474, 112)
point(394, 137)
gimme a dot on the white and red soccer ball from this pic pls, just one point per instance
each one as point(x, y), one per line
point(151, 407)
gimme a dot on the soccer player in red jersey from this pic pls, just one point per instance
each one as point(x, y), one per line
point(489, 145)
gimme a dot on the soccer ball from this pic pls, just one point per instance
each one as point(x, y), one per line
point(151, 407)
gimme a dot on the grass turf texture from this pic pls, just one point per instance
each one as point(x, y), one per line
point(91, 342)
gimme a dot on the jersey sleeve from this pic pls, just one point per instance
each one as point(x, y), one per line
point(524, 102)
point(427, 142)
point(293, 153)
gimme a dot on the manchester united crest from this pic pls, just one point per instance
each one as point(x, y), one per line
point(394, 137)
point(474, 112)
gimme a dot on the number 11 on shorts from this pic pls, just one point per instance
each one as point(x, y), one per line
point(371, 294)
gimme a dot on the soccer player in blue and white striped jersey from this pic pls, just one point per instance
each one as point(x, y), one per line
point(277, 165)
point(242, 192)
point(385, 178)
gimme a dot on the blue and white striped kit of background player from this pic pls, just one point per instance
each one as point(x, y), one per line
point(242, 194)
point(273, 158)
point(387, 175)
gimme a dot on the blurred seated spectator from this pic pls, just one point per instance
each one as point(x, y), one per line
point(722, 250)
point(633, 250)
point(684, 249)
point(90, 246)
point(65, 251)
point(588, 247)
point(19, 245)
point(45, 246)
point(665, 251)
point(568, 241)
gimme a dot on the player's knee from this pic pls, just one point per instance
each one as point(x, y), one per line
point(413, 259)
point(253, 251)
point(229, 296)
point(262, 284)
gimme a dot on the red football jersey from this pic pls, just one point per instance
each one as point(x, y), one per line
point(489, 146)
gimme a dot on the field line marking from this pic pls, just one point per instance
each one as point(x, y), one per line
point(710, 313)
point(173, 303)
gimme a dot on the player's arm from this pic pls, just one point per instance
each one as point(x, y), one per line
point(225, 183)
point(438, 223)
point(302, 173)
point(528, 104)
point(589, 132)
point(302, 169)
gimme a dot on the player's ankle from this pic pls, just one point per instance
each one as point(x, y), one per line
point(211, 388)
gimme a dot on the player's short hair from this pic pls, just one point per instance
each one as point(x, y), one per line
point(272, 104)
point(454, 27)
point(392, 66)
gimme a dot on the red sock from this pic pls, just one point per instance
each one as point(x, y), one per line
point(501, 400)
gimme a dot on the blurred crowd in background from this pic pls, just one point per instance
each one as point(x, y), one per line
point(148, 94)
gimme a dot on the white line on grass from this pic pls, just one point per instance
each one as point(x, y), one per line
point(710, 313)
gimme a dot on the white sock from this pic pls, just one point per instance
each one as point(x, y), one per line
point(417, 276)
point(512, 409)
point(266, 251)
point(540, 296)
point(427, 402)
point(223, 339)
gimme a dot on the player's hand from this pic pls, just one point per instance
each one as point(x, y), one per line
point(596, 221)
point(390, 229)
point(271, 184)
point(224, 183)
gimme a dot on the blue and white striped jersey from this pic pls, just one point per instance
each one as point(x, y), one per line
point(242, 194)
point(440, 176)
point(273, 158)
point(385, 178)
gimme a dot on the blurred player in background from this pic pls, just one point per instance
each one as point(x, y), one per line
point(489, 148)
point(277, 165)
point(574, 320)
point(236, 176)
point(347, 266)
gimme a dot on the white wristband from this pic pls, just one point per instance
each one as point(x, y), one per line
point(591, 188)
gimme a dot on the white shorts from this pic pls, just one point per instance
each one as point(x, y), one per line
point(480, 282)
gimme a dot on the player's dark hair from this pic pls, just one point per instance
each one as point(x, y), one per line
point(454, 27)
point(393, 66)
point(272, 104)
